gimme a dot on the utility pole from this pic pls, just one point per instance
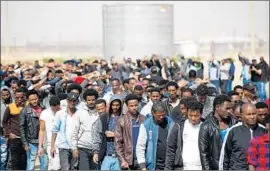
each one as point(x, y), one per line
point(251, 22)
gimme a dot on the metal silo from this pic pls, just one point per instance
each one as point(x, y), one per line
point(135, 30)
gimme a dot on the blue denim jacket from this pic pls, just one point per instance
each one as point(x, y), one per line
point(60, 127)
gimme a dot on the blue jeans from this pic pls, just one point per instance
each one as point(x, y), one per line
point(31, 158)
point(3, 152)
point(110, 163)
point(258, 88)
point(246, 81)
point(229, 85)
point(216, 83)
point(263, 95)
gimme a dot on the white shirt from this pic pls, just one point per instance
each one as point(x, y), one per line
point(191, 154)
point(48, 116)
point(69, 128)
point(147, 108)
point(224, 71)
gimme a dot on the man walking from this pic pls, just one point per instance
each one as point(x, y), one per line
point(47, 118)
point(152, 139)
point(11, 126)
point(126, 134)
point(29, 129)
point(62, 129)
point(86, 134)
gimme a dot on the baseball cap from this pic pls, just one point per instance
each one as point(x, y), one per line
point(72, 96)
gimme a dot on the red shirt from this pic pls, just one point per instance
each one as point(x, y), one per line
point(258, 153)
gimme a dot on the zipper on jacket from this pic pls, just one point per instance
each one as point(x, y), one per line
point(251, 133)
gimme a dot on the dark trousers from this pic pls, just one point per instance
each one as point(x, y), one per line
point(67, 161)
point(17, 155)
point(86, 159)
point(224, 86)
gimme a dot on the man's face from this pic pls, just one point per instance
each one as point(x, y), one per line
point(50, 75)
point(145, 83)
point(240, 92)
point(186, 94)
point(235, 98)
point(116, 106)
point(14, 87)
point(72, 103)
point(133, 106)
point(225, 109)
point(139, 93)
point(261, 115)
point(19, 98)
point(33, 100)
point(75, 91)
point(194, 117)
point(237, 114)
point(159, 116)
point(101, 108)
point(98, 89)
point(115, 86)
point(91, 101)
point(172, 92)
point(5, 95)
point(183, 109)
point(60, 75)
point(56, 108)
point(202, 98)
point(249, 115)
point(155, 96)
point(132, 83)
point(115, 66)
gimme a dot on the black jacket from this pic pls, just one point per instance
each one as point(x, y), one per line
point(174, 158)
point(210, 142)
point(233, 155)
point(174, 147)
point(29, 126)
point(103, 148)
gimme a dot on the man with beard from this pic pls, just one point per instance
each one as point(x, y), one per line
point(154, 96)
point(152, 139)
point(62, 130)
point(234, 149)
point(262, 112)
point(126, 134)
point(5, 101)
point(86, 135)
point(11, 125)
point(101, 106)
point(138, 90)
point(29, 130)
point(172, 101)
point(107, 154)
point(213, 131)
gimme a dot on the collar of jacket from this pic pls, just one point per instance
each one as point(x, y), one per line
point(129, 116)
point(29, 109)
point(215, 120)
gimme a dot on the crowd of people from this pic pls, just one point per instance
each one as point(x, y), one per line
point(147, 114)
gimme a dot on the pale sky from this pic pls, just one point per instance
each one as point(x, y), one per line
point(82, 20)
